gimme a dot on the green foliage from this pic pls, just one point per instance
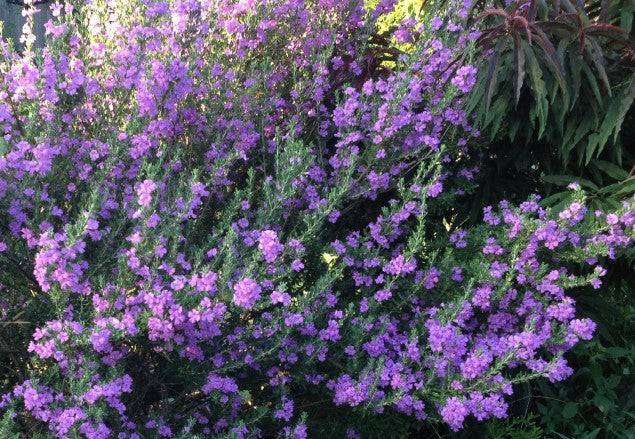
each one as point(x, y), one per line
point(554, 90)
point(7, 427)
point(608, 196)
point(515, 428)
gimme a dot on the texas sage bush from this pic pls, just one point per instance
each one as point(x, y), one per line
point(232, 218)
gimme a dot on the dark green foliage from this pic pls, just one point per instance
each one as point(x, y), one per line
point(554, 90)
point(554, 103)
point(516, 428)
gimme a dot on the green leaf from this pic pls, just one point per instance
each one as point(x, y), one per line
point(626, 19)
point(519, 65)
point(552, 199)
point(595, 53)
point(593, 434)
point(592, 81)
point(628, 188)
point(611, 188)
point(551, 56)
point(575, 63)
point(592, 143)
point(603, 403)
point(569, 410)
point(563, 180)
point(491, 74)
point(611, 170)
point(540, 109)
point(512, 129)
point(496, 114)
point(560, 180)
point(476, 96)
point(567, 144)
point(616, 352)
point(612, 122)
point(625, 104)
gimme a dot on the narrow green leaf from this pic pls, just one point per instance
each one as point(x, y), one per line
point(559, 180)
point(591, 147)
point(567, 136)
point(498, 112)
point(585, 126)
point(491, 74)
point(607, 31)
point(512, 129)
point(625, 104)
point(627, 190)
point(551, 56)
point(592, 81)
point(540, 105)
point(519, 64)
point(611, 170)
point(594, 51)
point(575, 63)
point(552, 199)
point(612, 122)
point(626, 19)
point(614, 188)
point(476, 97)
point(563, 180)
point(593, 434)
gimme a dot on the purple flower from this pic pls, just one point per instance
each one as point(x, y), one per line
point(246, 293)
point(334, 216)
point(280, 297)
point(101, 341)
point(297, 265)
point(399, 265)
point(558, 371)
point(435, 189)
point(454, 413)
point(383, 295)
point(583, 328)
point(574, 213)
point(219, 383)
point(286, 411)
point(475, 364)
point(144, 192)
point(458, 238)
point(269, 245)
point(465, 78)
point(431, 278)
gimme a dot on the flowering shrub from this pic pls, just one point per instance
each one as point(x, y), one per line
point(235, 218)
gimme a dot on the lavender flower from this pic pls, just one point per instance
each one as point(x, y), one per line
point(246, 293)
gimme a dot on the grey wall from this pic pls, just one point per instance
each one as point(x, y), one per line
point(11, 16)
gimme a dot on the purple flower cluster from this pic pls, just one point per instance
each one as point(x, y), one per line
point(246, 293)
point(269, 245)
point(218, 214)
